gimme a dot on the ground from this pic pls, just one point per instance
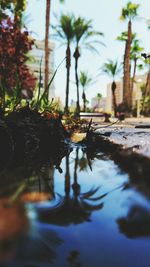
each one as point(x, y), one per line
point(131, 133)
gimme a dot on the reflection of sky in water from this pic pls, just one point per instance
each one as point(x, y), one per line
point(116, 234)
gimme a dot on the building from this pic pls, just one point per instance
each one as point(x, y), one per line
point(136, 95)
point(37, 54)
point(98, 105)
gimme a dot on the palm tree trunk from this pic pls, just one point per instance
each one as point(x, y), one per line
point(68, 64)
point(76, 186)
point(67, 177)
point(76, 56)
point(48, 5)
point(148, 83)
point(146, 91)
point(113, 88)
point(126, 78)
point(84, 101)
point(133, 76)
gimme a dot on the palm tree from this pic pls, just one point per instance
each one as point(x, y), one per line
point(124, 36)
point(85, 81)
point(135, 55)
point(67, 177)
point(64, 32)
point(83, 32)
point(146, 87)
point(112, 69)
point(47, 24)
point(128, 13)
point(99, 97)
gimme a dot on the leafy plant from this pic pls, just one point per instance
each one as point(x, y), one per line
point(14, 73)
point(41, 102)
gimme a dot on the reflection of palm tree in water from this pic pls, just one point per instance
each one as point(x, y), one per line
point(76, 186)
point(72, 209)
point(67, 178)
point(83, 162)
point(46, 179)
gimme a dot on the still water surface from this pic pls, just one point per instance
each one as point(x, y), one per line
point(86, 212)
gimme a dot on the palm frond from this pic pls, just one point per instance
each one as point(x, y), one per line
point(90, 207)
point(130, 11)
point(91, 48)
point(111, 68)
point(90, 192)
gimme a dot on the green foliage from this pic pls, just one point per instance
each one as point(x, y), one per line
point(124, 36)
point(130, 11)
point(136, 49)
point(64, 28)
point(4, 5)
point(99, 96)
point(81, 26)
point(84, 33)
point(111, 68)
point(84, 79)
point(41, 102)
point(16, 7)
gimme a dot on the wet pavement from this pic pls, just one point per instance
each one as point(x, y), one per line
point(132, 133)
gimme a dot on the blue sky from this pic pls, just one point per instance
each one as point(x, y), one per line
point(105, 15)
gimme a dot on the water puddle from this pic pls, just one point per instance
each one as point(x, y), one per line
point(83, 211)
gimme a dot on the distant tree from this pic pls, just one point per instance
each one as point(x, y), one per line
point(84, 35)
point(135, 55)
point(129, 12)
point(99, 97)
point(112, 69)
point(85, 81)
point(64, 33)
